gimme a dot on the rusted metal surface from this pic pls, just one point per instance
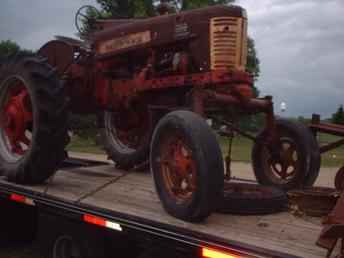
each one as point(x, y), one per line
point(333, 229)
point(60, 54)
point(330, 128)
point(166, 29)
point(282, 164)
point(313, 201)
point(16, 116)
point(339, 179)
point(178, 167)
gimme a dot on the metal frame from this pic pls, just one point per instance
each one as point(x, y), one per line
point(316, 126)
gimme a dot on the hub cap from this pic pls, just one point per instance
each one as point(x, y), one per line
point(178, 168)
point(282, 164)
point(15, 119)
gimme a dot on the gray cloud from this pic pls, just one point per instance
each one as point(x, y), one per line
point(299, 43)
point(32, 23)
point(300, 47)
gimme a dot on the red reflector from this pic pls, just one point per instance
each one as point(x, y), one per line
point(17, 198)
point(209, 253)
point(95, 220)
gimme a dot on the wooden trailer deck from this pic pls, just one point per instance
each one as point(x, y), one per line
point(104, 187)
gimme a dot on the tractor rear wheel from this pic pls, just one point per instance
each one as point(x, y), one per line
point(187, 166)
point(126, 137)
point(33, 120)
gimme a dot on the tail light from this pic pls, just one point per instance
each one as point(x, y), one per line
point(211, 253)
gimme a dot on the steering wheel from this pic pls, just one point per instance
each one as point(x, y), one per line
point(86, 14)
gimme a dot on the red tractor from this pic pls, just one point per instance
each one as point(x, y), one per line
point(151, 82)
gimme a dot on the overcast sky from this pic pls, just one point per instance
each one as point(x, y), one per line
point(299, 42)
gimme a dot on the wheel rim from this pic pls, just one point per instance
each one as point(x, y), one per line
point(283, 163)
point(178, 168)
point(65, 247)
point(126, 132)
point(16, 119)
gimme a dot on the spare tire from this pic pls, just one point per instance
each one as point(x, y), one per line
point(252, 199)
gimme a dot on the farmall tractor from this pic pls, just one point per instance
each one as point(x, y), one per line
point(152, 83)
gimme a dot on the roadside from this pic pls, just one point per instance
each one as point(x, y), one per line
point(240, 170)
point(241, 149)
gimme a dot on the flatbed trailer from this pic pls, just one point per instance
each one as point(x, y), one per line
point(125, 203)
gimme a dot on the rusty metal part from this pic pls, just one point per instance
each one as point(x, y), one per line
point(167, 30)
point(233, 128)
point(313, 201)
point(339, 179)
point(333, 229)
point(178, 167)
point(282, 161)
point(60, 54)
point(329, 128)
point(228, 158)
point(222, 31)
point(198, 80)
point(16, 117)
point(263, 105)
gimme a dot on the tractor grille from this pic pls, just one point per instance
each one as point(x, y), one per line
point(228, 43)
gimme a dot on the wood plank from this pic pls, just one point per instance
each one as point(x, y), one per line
point(135, 195)
point(74, 184)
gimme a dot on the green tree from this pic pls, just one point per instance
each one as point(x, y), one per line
point(131, 8)
point(8, 48)
point(338, 116)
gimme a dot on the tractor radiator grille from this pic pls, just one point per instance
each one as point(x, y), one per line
point(228, 43)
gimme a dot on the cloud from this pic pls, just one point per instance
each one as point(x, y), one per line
point(32, 23)
point(299, 43)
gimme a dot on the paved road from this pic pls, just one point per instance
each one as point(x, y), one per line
point(239, 170)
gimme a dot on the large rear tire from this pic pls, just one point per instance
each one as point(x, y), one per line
point(187, 166)
point(296, 161)
point(33, 128)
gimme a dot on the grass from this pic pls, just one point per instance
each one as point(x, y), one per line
point(241, 149)
point(89, 145)
point(335, 157)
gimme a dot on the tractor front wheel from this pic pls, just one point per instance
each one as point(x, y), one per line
point(126, 137)
point(187, 166)
point(33, 120)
